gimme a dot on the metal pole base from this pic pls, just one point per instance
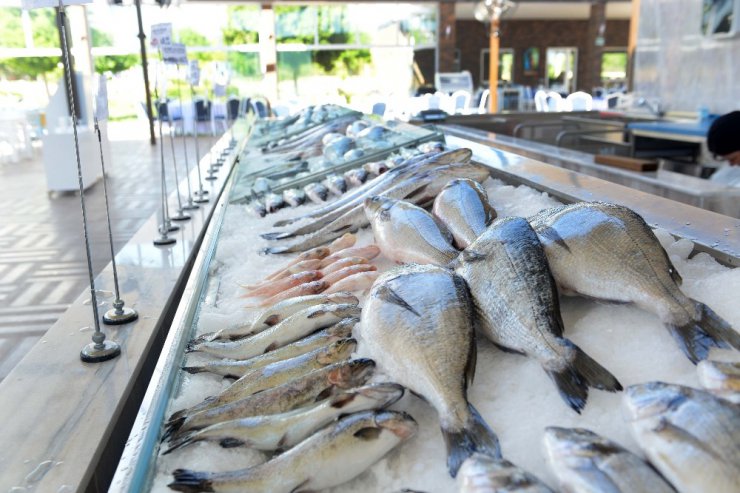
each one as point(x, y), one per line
point(126, 315)
point(210, 176)
point(164, 240)
point(190, 206)
point(201, 199)
point(180, 216)
point(97, 353)
point(173, 227)
point(200, 193)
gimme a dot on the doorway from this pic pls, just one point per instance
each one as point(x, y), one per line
point(562, 67)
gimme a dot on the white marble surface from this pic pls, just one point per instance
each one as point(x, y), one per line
point(677, 65)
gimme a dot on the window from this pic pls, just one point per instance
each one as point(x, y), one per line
point(505, 66)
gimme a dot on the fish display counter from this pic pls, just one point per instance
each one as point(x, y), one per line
point(466, 320)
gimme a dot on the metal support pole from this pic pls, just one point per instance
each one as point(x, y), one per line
point(190, 205)
point(200, 194)
point(145, 68)
point(181, 215)
point(100, 349)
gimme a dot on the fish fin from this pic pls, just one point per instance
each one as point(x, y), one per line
point(282, 442)
point(552, 234)
point(367, 434)
point(509, 350)
point(673, 433)
point(172, 427)
point(298, 489)
point(476, 436)
point(181, 441)
point(571, 387)
point(283, 223)
point(324, 394)
point(273, 346)
point(230, 442)
point(192, 347)
point(594, 374)
point(342, 228)
point(415, 193)
point(388, 295)
point(470, 365)
point(277, 235)
point(697, 337)
point(191, 481)
point(316, 313)
point(193, 369)
point(272, 320)
point(472, 256)
point(207, 337)
point(341, 400)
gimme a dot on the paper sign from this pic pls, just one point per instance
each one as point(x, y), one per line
point(101, 99)
point(161, 34)
point(219, 90)
point(175, 53)
point(37, 4)
point(193, 73)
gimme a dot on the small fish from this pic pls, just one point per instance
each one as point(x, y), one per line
point(689, 435)
point(462, 206)
point(277, 286)
point(584, 462)
point(484, 474)
point(345, 241)
point(316, 192)
point(289, 330)
point(374, 133)
point(274, 202)
point(337, 148)
point(356, 177)
point(419, 328)
point(336, 184)
point(353, 283)
point(368, 252)
point(313, 387)
point(342, 263)
point(303, 266)
point(608, 252)
point(313, 287)
point(357, 127)
point(330, 457)
point(283, 431)
point(375, 168)
point(431, 147)
point(353, 154)
point(294, 197)
point(257, 208)
point(314, 253)
point(517, 307)
point(262, 186)
point(331, 137)
point(348, 271)
point(722, 378)
point(407, 233)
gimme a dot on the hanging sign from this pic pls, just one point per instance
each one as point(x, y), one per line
point(37, 4)
point(101, 99)
point(193, 73)
point(175, 53)
point(161, 34)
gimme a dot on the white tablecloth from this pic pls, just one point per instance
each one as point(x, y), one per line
point(218, 110)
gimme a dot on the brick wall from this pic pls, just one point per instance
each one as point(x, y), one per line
point(447, 35)
point(521, 34)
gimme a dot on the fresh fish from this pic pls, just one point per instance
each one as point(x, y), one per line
point(722, 378)
point(419, 328)
point(356, 127)
point(313, 387)
point(275, 374)
point(342, 263)
point(288, 172)
point(302, 266)
point(337, 148)
point(356, 177)
point(608, 252)
point(230, 368)
point(280, 285)
point(585, 462)
point(407, 233)
point(257, 208)
point(312, 137)
point(517, 307)
point(353, 154)
point(331, 137)
point(316, 192)
point(336, 184)
point(313, 287)
point(331, 457)
point(376, 167)
point(353, 283)
point(289, 330)
point(348, 271)
point(262, 186)
point(431, 147)
point(483, 474)
point(294, 197)
point(347, 240)
point(368, 252)
point(283, 431)
point(690, 436)
point(462, 206)
point(375, 133)
point(316, 253)
point(274, 202)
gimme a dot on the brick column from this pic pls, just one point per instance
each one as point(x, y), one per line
point(591, 58)
point(446, 39)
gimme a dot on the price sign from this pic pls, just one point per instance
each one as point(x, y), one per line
point(193, 73)
point(161, 34)
point(101, 99)
point(37, 4)
point(175, 53)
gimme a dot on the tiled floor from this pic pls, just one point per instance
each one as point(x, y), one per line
point(42, 255)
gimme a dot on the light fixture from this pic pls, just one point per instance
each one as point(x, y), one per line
point(491, 11)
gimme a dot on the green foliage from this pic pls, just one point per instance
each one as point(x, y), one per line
point(44, 26)
point(243, 25)
point(115, 63)
point(244, 64)
point(100, 38)
point(11, 28)
point(30, 66)
point(190, 38)
point(613, 62)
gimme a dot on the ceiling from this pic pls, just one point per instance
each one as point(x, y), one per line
point(550, 10)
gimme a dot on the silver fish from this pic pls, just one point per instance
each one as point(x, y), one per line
point(294, 327)
point(376, 167)
point(722, 378)
point(419, 328)
point(356, 177)
point(316, 192)
point(407, 233)
point(376, 132)
point(294, 197)
point(333, 456)
point(584, 462)
point(518, 309)
point(690, 436)
point(608, 252)
point(431, 147)
point(353, 154)
point(331, 137)
point(463, 207)
point(357, 127)
point(262, 186)
point(257, 208)
point(337, 148)
point(274, 202)
point(238, 368)
point(283, 431)
point(336, 184)
point(484, 474)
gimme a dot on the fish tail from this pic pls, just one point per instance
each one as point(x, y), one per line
point(583, 372)
point(279, 250)
point(194, 369)
point(193, 346)
point(702, 333)
point(207, 337)
point(181, 441)
point(476, 436)
point(173, 425)
point(277, 235)
point(191, 481)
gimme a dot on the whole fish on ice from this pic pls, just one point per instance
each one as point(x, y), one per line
point(462, 206)
point(484, 474)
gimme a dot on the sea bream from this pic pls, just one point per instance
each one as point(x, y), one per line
point(484, 474)
point(330, 457)
point(283, 431)
point(418, 325)
point(721, 378)
point(316, 192)
point(517, 307)
point(689, 435)
point(584, 462)
point(608, 252)
point(463, 207)
point(294, 197)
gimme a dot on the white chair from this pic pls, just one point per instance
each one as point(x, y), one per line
point(540, 101)
point(460, 101)
point(483, 104)
point(554, 101)
point(579, 101)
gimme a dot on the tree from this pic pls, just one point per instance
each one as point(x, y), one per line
point(191, 37)
point(242, 26)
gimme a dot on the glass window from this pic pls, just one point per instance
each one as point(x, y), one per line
point(242, 26)
point(614, 65)
point(505, 65)
point(44, 26)
point(561, 69)
point(11, 28)
point(295, 24)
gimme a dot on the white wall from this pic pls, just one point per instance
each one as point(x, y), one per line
point(678, 65)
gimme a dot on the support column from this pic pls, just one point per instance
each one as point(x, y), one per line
point(446, 38)
point(493, 50)
point(268, 53)
point(596, 33)
point(632, 43)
